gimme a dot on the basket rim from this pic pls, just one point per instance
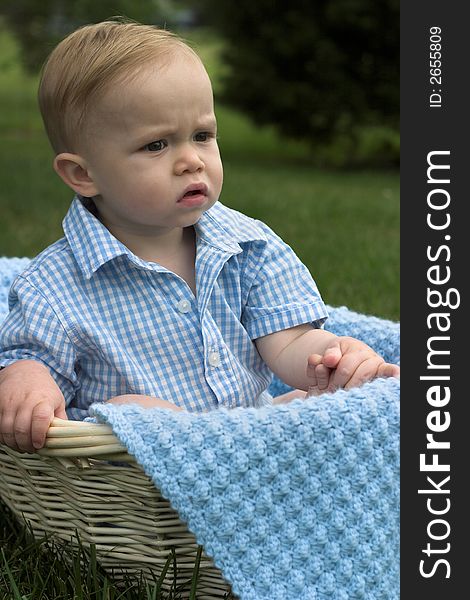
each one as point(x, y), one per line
point(67, 439)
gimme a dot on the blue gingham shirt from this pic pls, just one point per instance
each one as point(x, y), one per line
point(106, 322)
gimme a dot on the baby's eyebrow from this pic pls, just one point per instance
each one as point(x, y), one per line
point(150, 134)
point(209, 122)
point(146, 135)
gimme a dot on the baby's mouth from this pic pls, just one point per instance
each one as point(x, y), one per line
point(194, 190)
point(194, 195)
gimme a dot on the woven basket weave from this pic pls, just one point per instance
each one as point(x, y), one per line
point(83, 481)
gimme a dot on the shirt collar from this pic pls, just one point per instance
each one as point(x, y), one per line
point(225, 229)
point(93, 245)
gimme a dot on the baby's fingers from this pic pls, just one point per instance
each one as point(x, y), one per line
point(41, 419)
point(318, 374)
point(370, 369)
point(323, 375)
point(320, 382)
point(312, 362)
point(7, 436)
point(333, 355)
point(347, 368)
point(388, 370)
point(22, 430)
point(366, 371)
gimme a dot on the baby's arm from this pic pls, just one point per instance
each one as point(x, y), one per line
point(29, 400)
point(317, 359)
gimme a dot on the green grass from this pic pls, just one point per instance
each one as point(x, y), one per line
point(42, 569)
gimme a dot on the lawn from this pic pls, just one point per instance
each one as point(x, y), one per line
point(343, 225)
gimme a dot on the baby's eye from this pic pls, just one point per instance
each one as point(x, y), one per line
point(156, 146)
point(204, 136)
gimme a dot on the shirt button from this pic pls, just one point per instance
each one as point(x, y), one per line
point(214, 359)
point(183, 306)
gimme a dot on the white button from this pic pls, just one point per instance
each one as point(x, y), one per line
point(214, 359)
point(184, 306)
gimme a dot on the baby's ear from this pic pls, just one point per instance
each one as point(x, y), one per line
point(73, 170)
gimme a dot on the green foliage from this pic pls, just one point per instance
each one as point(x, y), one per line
point(40, 25)
point(326, 71)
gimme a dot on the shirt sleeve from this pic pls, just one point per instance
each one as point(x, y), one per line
point(282, 292)
point(33, 331)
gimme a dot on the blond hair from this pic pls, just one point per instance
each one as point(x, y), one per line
point(84, 65)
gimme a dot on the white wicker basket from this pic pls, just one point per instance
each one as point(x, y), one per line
point(84, 482)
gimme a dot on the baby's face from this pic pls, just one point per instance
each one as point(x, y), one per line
point(151, 150)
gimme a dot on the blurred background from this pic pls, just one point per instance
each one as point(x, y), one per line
point(307, 101)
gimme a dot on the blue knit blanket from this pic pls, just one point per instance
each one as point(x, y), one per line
point(294, 501)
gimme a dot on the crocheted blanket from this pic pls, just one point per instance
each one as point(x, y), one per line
point(293, 501)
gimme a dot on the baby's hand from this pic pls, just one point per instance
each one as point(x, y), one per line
point(29, 400)
point(346, 363)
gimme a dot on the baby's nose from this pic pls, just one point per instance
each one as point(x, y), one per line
point(188, 160)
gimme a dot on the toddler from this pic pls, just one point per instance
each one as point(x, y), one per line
point(157, 293)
